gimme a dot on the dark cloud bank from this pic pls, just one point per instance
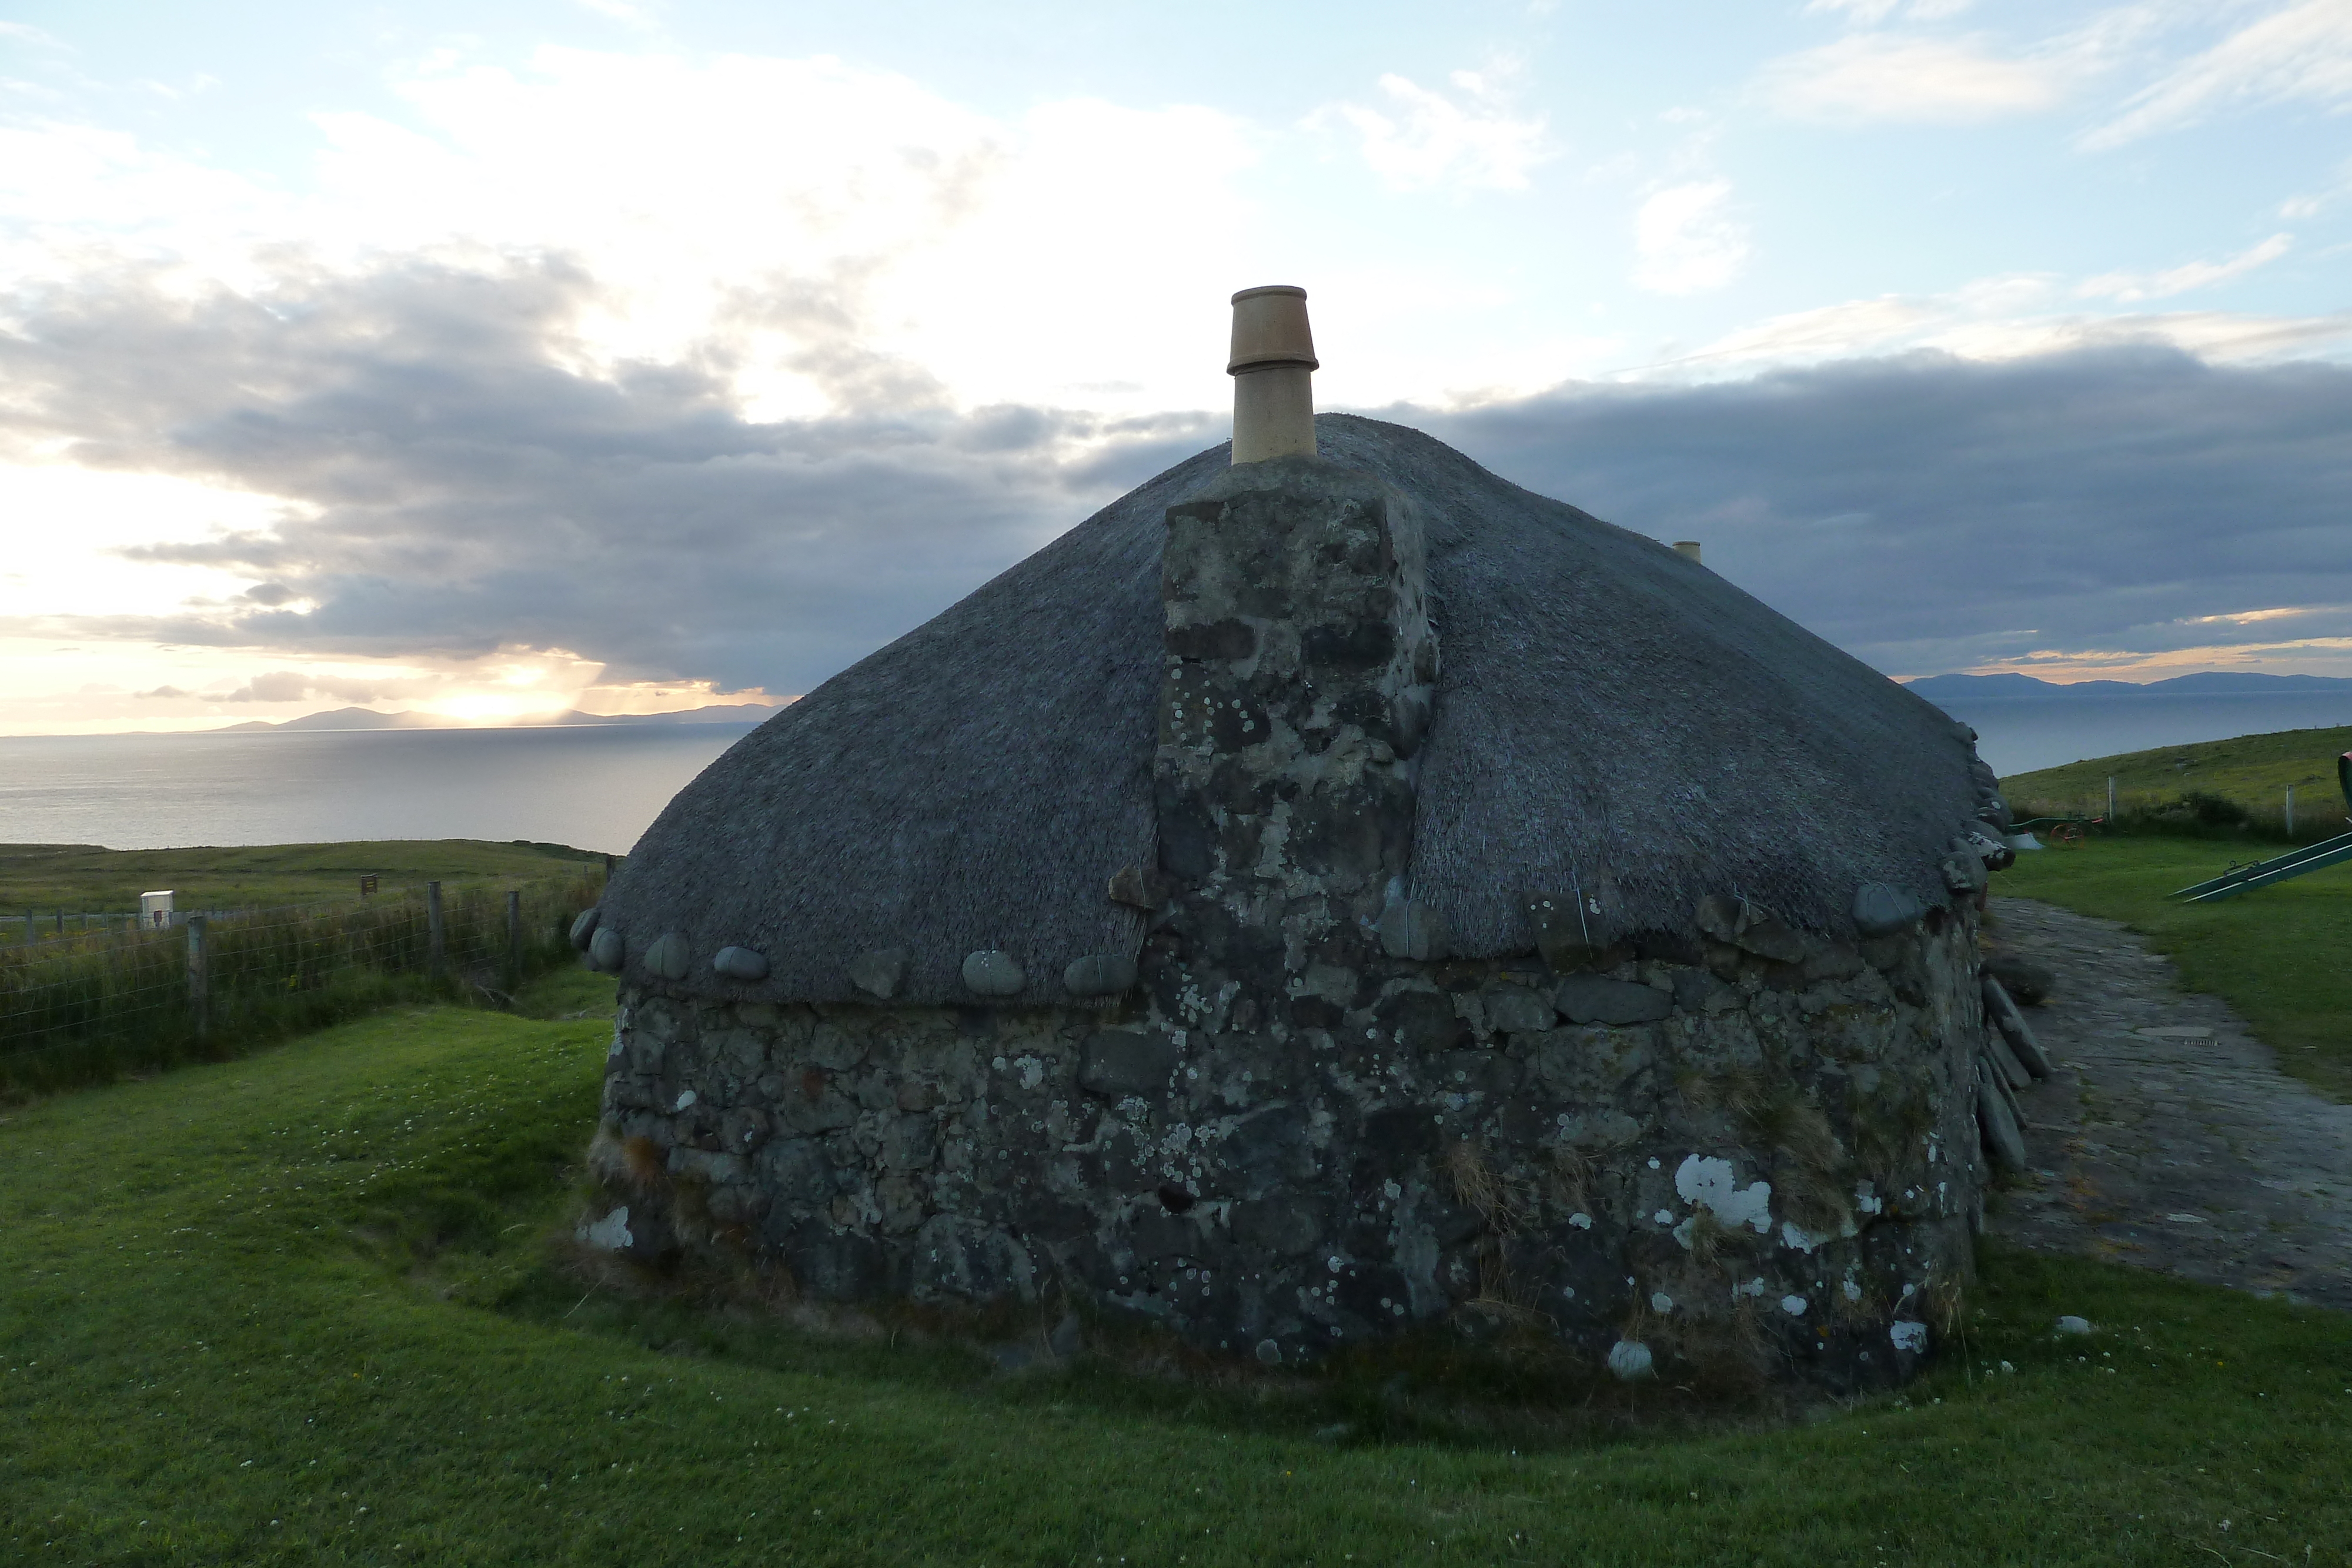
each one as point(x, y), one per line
point(469, 490)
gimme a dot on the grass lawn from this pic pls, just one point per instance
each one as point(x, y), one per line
point(78, 878)
point(2282, 956)
point(2254, 770)
point(298, 1308)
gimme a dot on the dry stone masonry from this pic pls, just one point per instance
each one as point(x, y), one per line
point(1263, 1097)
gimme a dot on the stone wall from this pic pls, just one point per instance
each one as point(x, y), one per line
point(1691, 1148)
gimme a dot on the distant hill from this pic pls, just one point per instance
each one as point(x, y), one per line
point(1940, 689)
point(368, 718)
point(339, 719)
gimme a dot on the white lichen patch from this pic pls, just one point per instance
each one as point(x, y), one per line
point(1661, 1302)
point(1032, 1072)
point(1630, 1359)
point(1796, 1235)
point(1581, 1221)
point(1912, 1337)
point(611, 1233)
point(1867, 1200)
point(686, 1098)
point(1794, 1305)
point(1712, 1185)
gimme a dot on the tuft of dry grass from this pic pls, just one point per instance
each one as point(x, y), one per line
point(1487, 1194)
point(1572, 1171)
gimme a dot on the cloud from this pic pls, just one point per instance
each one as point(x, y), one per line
point(2131, 498)
point(1471, 141)
point(1683, 241)
point(2019, 316)
point(453, 488)
point(1876, 78)
point(2311, 204)
point(1870, 13)
point(620, 11)
point(276, 686)
point(2302, 53)
point(2130, 288)
point(714, 206)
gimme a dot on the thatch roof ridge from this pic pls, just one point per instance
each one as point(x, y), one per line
point(1610, 716)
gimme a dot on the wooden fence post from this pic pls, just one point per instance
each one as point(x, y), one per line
point(514, 940)
point(199, 979)
point(436, 952)
point(2290, 811)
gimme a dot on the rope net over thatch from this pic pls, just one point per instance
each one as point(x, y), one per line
point(1610, 719)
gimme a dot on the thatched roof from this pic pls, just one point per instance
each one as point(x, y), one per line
point(1610, 716)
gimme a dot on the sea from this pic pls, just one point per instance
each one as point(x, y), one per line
point(593, 787)
point(598, 787)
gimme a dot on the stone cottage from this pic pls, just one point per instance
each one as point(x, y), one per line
point(1330, 893)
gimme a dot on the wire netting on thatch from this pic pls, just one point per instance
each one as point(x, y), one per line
point(79, 1007)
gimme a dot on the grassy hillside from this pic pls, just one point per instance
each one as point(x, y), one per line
point(2252, 770)
point(299, 1308)
point(82, 877)
point(2277, 955)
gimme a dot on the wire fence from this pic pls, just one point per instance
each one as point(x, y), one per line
point(88, 1004)
point(2309, 815)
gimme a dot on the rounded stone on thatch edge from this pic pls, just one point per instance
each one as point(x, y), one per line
point(1881, 910)
point(740, 964)
point(990, 973)
point(668, 958)
point(1099, 975)
point(606, 950)
point(586, 926)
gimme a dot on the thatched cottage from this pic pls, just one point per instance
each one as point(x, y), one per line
point(1328, 894)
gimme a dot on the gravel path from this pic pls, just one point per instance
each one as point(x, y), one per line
point(2167, 1137)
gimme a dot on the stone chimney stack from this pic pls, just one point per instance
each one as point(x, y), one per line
point(1301, 667)
point(1273, 366)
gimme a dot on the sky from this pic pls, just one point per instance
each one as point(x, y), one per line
point(497, 359)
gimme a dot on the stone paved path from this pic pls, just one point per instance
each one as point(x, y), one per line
point(2168, 1138)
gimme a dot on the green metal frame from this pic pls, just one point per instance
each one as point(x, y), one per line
point(2241, 879)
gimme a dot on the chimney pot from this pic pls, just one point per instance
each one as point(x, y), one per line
point(1273, 365)
point(1270, 328)
point(1687, 548)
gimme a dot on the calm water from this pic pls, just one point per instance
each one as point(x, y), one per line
point(599, 789)
point(595, 788)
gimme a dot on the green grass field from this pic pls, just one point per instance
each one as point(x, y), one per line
point(2253, 770)
point(2282, 956)
point(307, 1307)
point(78, 878)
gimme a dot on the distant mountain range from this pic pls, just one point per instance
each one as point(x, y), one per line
point(368, 718)
point(1942, 689)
